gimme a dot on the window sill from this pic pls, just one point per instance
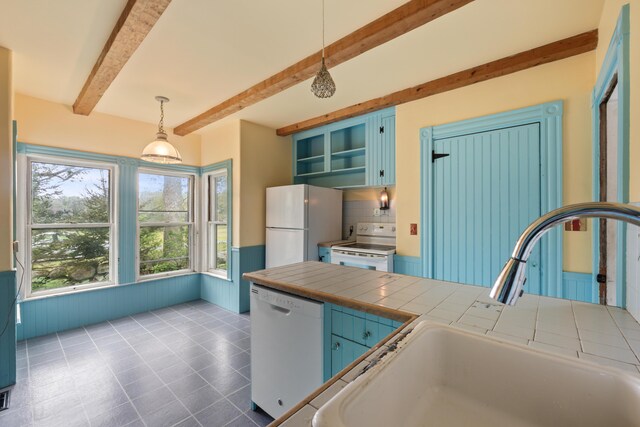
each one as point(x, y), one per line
point(165, 275)
point(221, 276)
point(69, 290)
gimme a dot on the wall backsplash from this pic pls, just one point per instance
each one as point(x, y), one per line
point(355, 211)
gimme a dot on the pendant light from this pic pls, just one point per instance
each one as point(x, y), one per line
point(160, 150)
point(323, 85)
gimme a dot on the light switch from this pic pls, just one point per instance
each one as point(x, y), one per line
point(413, 229)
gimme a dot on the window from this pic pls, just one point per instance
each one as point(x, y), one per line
point(217, 223)
point(69, 225)
point(165, 223)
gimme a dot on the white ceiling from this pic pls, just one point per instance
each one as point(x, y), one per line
point(202, 52)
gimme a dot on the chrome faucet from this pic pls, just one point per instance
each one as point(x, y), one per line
point(508, 286)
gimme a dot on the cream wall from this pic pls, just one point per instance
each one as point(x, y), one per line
point(266, 162)
point(6, 164)
point(570, 80)
point(608, 20)
point(48, 123)
point(219, 143)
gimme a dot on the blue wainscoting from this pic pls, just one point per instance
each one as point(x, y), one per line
point(251, 259)
point(577, 286)
point(67, 311)
point(234, 294)
point(410, 265)
point(223, 292)
point(8, 340)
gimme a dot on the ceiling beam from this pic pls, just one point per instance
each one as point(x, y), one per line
point(135, 22)
point(560, 49)
point(405, 18)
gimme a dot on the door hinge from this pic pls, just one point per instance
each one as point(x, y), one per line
point(435, 156)
point(601, 278)
point(381, 129)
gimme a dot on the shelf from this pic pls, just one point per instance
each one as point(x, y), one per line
point(350, 170)
point(311, 159)
point(350, 153)
point(333, 172)
point(344, 187)
point(312, 174)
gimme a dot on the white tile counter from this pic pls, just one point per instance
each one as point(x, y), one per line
point(605, 335)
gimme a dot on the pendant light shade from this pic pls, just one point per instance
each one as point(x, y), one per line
point(323, 85)
point(161, 150)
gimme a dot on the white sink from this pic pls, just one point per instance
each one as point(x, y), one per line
point(441, 376)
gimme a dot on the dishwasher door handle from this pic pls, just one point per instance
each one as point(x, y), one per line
point(282, 310)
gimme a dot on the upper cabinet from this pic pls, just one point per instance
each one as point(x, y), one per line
point(381, 150)
point(357, 152)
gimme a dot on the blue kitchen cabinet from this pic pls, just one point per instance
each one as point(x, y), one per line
point(343, 352)
point(356, 152)
point(381, 150)
point(354, 332)
point(324, 254)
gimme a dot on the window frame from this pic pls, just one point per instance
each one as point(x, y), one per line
point(193, 232)
point(27, 227)
point(209, 208)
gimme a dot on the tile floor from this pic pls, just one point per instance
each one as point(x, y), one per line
point(185, 365)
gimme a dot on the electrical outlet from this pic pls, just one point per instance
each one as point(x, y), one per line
point(16, 246)
point(376, 212)
point(413, 229)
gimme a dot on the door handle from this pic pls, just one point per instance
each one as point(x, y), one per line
point(279, 309)
point(381, 173)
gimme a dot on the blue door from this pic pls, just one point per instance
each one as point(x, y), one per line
point(485, 193)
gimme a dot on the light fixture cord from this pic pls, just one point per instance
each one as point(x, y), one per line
point(161, 124)
point(323, 30)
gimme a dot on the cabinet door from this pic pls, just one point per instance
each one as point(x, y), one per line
point(324, 254)
point(388, 150)
point(337, 354)
point(343, 352)
point(371, 333)
point(381, 151)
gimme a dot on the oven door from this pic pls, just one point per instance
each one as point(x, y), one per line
point(360, 259)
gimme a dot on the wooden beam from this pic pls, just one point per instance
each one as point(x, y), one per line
point(560, 49)
point(135, 22)
point(405, 18)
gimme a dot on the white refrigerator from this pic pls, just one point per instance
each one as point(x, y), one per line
point(298, 218)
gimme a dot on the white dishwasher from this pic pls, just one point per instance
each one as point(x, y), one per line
point(286, 349)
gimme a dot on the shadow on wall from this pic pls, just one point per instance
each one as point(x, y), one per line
point(355, 211)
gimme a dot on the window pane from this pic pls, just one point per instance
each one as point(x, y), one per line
point(67, 257)
point(163, 198)
point(221, 246)
point(164, 249)
point(221, 199)
point(69, 194)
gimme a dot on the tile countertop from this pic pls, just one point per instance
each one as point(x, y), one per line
point(605, 335)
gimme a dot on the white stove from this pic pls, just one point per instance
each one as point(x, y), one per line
point(373, 249)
